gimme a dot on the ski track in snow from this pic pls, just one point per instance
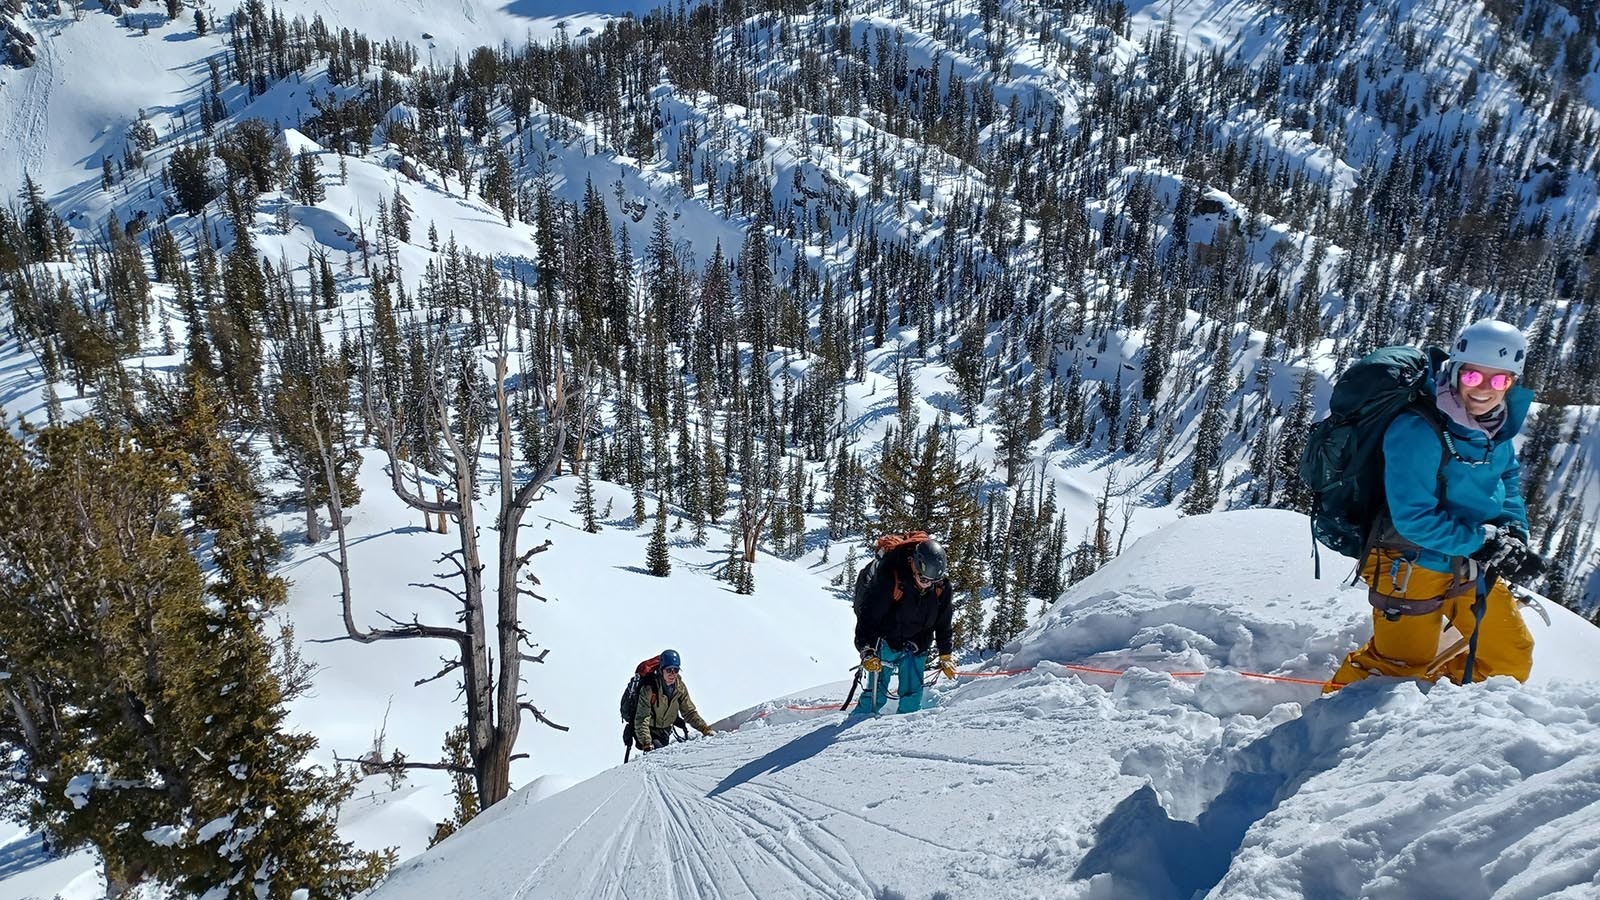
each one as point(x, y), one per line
point(35, 118)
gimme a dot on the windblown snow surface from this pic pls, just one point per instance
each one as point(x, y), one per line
point(1056, 782)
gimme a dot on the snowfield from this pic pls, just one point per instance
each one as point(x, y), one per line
point(1051, 783)
point(1125, 747)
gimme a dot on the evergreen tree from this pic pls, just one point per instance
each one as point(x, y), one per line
point(733, 571)
point(189, 174)
point(457, 753)
point(924, 486)
point(143, 699)
point(657, 561)
point(400, 216)
point(584, 503)
point(716, 481)
point(308, 408)
point(1292, 443)
point(1202, 494)
point(38, 223)
point(968, 631)
point(307, 184)
point(746, 584)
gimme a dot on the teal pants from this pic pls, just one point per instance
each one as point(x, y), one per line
point(876, 693)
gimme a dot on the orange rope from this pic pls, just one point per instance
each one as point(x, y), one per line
point(1284, 678)
point(1077, 668)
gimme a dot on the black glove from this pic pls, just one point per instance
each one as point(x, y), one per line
point(1507, 553)
point(1530, 568)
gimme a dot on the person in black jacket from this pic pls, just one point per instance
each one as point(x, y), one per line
point(903, 605)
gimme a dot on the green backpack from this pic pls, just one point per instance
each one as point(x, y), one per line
point(1342, 463)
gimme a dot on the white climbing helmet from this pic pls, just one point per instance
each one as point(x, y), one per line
point(1492, 344)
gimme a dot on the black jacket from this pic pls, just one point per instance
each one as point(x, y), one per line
point(917, 616)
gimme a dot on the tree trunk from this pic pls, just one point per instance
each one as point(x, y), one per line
point(313, 528)
point(122, 879)
point(494, 773)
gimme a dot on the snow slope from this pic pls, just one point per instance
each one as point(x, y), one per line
point(604, 615)
point(1050, 783)
point(94, 76)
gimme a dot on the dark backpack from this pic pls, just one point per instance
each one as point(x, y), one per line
point(881, 549)
point(630, 694)
point(642, 673)
point(1342, 464)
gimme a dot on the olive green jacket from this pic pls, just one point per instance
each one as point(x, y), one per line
point(656, 711)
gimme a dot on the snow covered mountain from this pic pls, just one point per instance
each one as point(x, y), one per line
point(1055, 782)
point(1114, 253)
point(1264, 223)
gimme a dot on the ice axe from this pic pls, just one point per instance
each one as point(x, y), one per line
point(1486, 583)
point(1524, 596)
point(1530, 598)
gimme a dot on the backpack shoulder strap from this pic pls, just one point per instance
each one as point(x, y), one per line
point(1430, 414)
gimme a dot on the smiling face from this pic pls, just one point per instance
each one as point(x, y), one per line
point(1478, 390)
point(670, 674)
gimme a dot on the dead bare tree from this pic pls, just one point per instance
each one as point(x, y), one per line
point(494, 701)
point(1113, 487)
point(755, 508)
point(1126, 509)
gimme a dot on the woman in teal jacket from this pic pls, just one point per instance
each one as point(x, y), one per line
point(1426, 558)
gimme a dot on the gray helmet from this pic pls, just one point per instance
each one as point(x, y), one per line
point(1492, 344)
point(930, 561)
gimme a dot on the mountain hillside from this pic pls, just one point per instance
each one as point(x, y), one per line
point(1057, 783)
point(724, 291)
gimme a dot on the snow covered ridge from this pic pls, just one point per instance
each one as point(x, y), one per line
point(1047, 785)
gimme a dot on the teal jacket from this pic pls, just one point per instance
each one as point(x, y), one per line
point(1482, 481)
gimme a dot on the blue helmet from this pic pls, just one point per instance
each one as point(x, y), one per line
point(669, 659)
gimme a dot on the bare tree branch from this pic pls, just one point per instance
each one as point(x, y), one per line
point(402, 765)
point(450, 665)
point(459, 597)
point(523, 559)
point(540, 716)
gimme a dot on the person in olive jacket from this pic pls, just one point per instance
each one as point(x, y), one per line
point(663, 697)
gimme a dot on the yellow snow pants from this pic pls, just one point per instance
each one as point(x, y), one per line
point(1408, 645)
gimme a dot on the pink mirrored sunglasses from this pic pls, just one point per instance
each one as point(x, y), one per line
point(1499, 381)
